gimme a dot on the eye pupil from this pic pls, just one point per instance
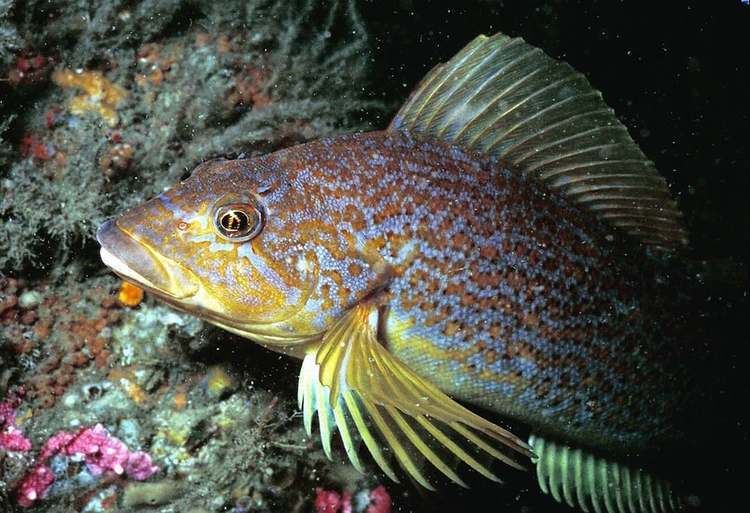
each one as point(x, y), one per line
point(239, 222)
point(235, 221)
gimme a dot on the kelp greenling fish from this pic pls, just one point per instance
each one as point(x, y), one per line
point(501, 244)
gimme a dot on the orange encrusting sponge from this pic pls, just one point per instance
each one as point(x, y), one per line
point(129, 295)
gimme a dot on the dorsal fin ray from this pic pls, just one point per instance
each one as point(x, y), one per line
point(503, 97)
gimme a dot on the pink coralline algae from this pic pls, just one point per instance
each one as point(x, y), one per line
point(329, 501)
point(35, 485)
point(11, 438)
point(380, 501)
point(100, 451)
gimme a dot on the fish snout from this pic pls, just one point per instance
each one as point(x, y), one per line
point(135, 261)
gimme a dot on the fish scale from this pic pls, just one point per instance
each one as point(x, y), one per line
point(537, 319)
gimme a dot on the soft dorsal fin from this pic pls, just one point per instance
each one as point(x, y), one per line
point(503, 97)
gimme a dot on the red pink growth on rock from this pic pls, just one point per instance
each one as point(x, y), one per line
point(101, 452)
point(11, 438)
point(330, 501)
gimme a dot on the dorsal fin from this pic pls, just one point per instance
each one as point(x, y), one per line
point(503, 97)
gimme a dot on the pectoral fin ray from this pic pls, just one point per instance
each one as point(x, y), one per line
point(354, 384)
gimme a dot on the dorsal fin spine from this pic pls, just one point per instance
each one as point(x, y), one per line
point(454, 87)
point(474, 139)
point(563, 156)
point(465, 53)
point(499, 138)
point(558, 105)
point(515, 62)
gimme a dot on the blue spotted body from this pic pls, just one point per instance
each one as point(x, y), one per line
point(505, 295)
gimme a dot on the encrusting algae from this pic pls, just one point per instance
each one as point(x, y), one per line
point(100, 96)
point(502, 242)
point(67, 348)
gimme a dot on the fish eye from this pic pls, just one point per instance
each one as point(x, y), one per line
point(239, 222)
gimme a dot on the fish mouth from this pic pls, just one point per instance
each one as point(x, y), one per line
point(135, 262)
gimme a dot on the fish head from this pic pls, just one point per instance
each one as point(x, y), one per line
point(213, 246)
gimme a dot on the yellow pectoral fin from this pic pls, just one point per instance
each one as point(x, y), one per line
point(355, 384)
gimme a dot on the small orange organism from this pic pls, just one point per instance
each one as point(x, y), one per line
point(126, 379)
point(129, 295)
point(100, 95)
point(180, 400)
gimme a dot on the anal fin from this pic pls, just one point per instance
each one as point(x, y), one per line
point(356, 385)
point(599, 485)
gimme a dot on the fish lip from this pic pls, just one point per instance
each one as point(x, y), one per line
point(135, 262)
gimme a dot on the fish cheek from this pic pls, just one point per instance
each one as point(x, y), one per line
point(259, 288)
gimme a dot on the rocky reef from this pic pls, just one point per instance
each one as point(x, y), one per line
point(109, 407)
